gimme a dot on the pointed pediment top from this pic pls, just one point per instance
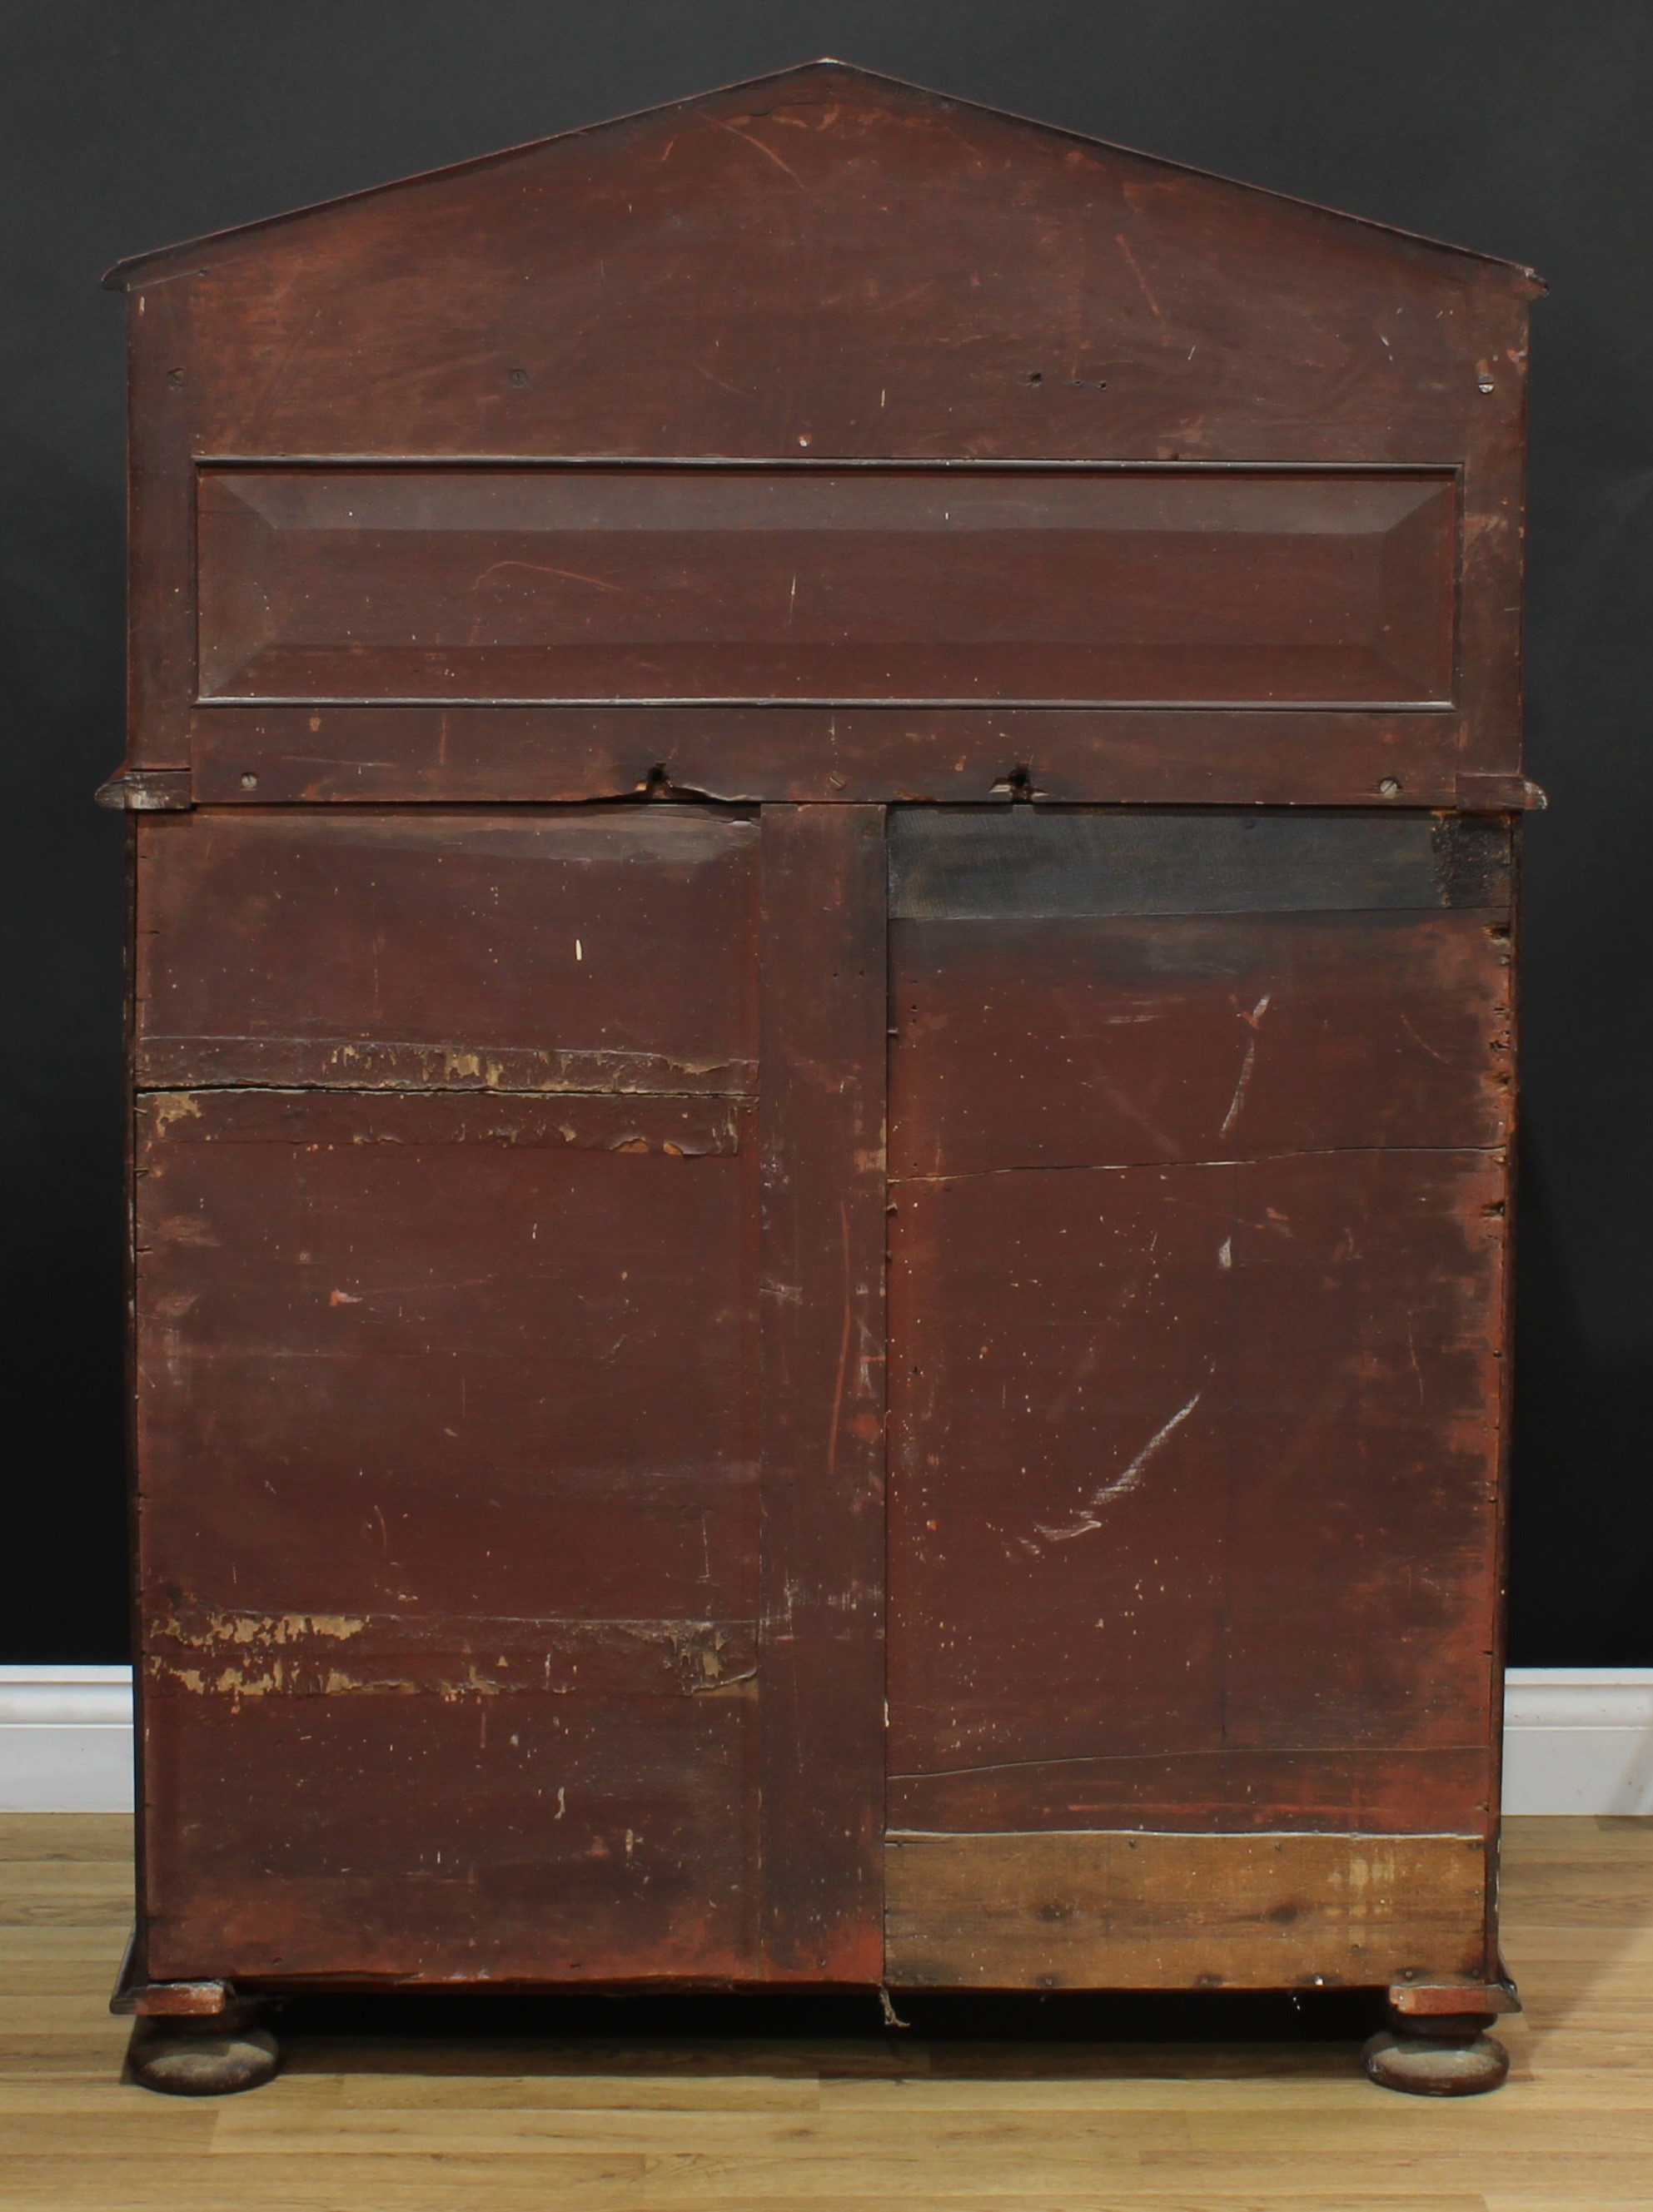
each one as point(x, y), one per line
point(191, 256)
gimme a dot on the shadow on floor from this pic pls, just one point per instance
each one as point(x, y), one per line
point(1053, 2034)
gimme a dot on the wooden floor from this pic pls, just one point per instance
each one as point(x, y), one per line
point(853, 2124)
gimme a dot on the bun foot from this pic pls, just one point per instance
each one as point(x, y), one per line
point(204, 2057)
point(1449, 2056)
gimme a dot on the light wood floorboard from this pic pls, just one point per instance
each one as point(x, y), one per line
point(373, 2124)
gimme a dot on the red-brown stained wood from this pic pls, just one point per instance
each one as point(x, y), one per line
point(448, 1377)
point(527, 1835)
point(1168, 1445)
point(1195, 1316)
point(159, 532)
point(516, 952)
point(449, 1403)
point(1340, 1788)
point(868, 753)
point(822, 1663)
point(637, 1122)
point(1069, 1043)
point(828, 265)
point(510, 1160)
point(1188, 586)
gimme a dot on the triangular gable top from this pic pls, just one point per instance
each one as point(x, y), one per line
point(191, 256)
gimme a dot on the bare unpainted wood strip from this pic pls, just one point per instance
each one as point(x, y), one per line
point(194, 1647)
point(182, 1063)
point(681, 1128)
point(1117, 1910)
point(822, 1284)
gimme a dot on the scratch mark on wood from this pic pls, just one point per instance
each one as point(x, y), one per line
point(1124, 1482)
point(757, 147)
point(1142, 281)
point(573, 575)
point(1248, 1063)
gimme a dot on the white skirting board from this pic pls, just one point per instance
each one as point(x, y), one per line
point(65, 1739)
point(1579, 1740)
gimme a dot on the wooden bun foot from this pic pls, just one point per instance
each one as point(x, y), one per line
point(204, 2057)
point(1449, 2056)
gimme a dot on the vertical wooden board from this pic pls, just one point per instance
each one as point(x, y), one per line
point(1190, 1465)
point(821, 1118)
point(161, 442)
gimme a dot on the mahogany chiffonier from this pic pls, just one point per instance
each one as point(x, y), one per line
point(824, 793)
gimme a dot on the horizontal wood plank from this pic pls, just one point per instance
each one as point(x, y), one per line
point(1132, 1910)
point(1033, 863)
point(1086, 1042)
point(680, 1128)
point(607, 950)
point(250, 756)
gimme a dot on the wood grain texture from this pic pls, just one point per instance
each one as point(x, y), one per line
point(1067, 1044)
point(1198, 1283)
point(446, 1401)
point(1100, 2113)
point(1168, 1445)
point(1132, 756)
point(1081, 863)
point(830, 266)
point(821, 1119)
point(447, 1375)
point(608, 950)
point(676, 1127)
point(802, 581)
point(1133, 1910)
point(591, 1829)
point(1196, 1320)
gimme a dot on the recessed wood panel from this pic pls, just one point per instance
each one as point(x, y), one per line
point(807, 583)
point(581, 951)
point(1133, 1910)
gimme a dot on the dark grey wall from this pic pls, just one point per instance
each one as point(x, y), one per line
point(1518, 126)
